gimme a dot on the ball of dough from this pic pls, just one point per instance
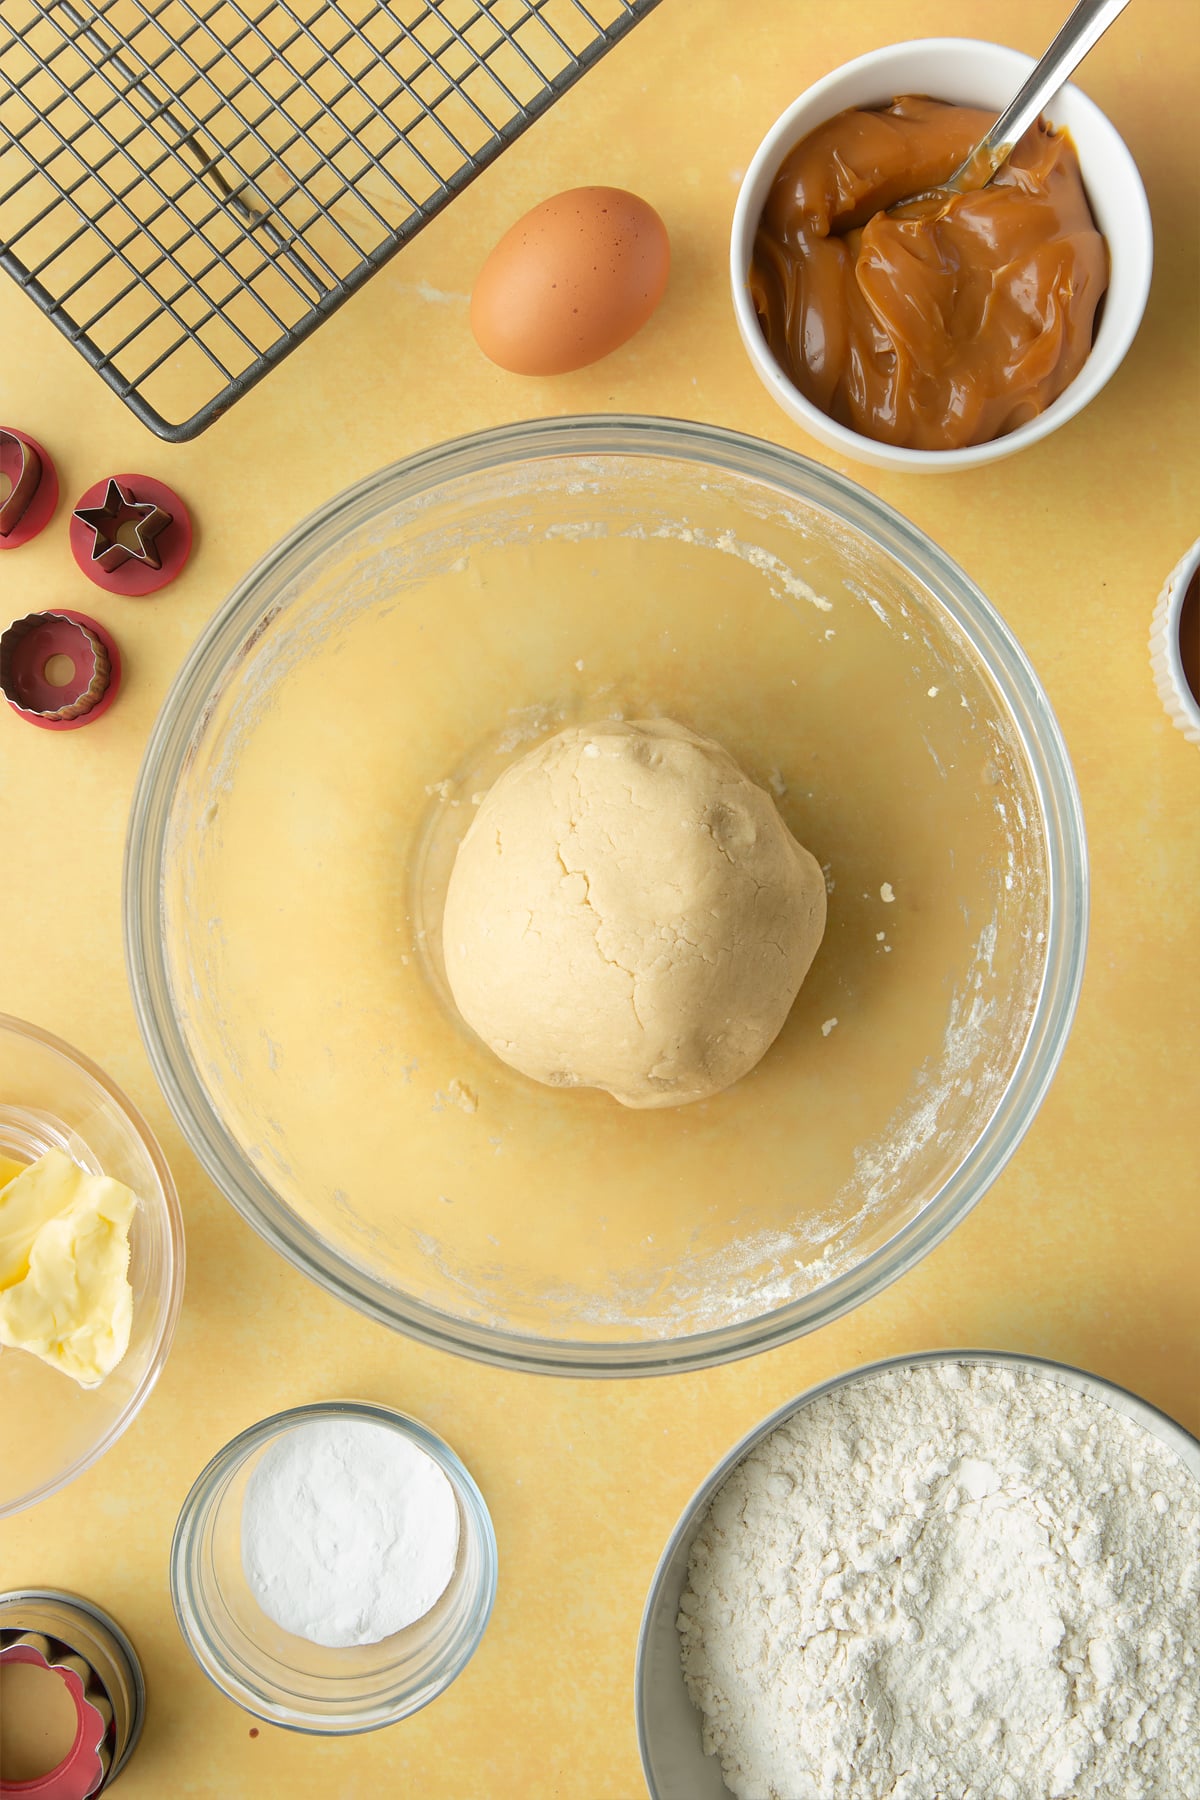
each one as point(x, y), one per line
point(628, 911)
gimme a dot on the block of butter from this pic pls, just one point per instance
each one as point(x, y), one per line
point(64, 1267)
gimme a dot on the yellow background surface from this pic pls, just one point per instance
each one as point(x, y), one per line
point(1088, 1247)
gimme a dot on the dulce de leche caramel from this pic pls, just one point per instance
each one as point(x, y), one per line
point(955, 320)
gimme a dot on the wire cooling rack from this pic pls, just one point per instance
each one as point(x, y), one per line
point(189, 187)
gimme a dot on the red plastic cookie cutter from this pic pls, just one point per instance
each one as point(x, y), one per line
point(30, 647)
point(83, 1769)
point(29, 492)
point(130, 534)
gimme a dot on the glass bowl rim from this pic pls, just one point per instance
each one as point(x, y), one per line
point(628, 436)
point(222, 1466)
point(1082, 1380)
point(174, 1256)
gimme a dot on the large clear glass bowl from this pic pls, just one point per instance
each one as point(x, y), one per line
point(316, 763)
point(53, 1098)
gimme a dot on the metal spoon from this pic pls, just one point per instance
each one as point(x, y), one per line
point(1084, 28)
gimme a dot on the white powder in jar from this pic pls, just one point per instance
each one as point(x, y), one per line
point(349, 1531)
point(954, 1582)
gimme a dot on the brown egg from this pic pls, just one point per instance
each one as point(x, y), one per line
point(570, 281)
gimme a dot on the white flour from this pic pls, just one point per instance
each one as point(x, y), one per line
point(349, 1532)
point(951, 1583)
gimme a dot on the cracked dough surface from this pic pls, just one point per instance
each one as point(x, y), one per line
point(628, 911)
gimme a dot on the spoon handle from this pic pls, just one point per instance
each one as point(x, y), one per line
point(1085, 26)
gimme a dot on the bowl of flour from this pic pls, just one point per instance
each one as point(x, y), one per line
point(958, 1573)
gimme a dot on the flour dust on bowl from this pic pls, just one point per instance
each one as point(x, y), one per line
point(323, 752)
point(961, 1572)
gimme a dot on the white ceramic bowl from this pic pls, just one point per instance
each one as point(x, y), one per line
point(1166, 659)
point(969, 72)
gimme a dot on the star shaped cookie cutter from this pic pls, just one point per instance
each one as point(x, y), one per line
point(130, 534)
point(124, 528)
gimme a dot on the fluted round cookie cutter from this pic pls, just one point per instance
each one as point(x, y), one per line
point(77, 1640)
point(31, 645)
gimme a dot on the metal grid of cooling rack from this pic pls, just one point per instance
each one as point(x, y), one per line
point(189, 187)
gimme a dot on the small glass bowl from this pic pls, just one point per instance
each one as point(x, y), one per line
point(52, 1097)
point(284, 1679)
